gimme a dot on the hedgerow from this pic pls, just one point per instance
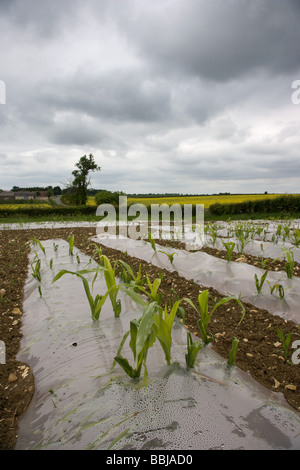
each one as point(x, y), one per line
point(48, 211)
point(286, 203)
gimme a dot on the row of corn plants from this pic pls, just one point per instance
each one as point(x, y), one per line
point(244, 232)
point(156, 321)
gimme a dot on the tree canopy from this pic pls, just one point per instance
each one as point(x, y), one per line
point(81, 179)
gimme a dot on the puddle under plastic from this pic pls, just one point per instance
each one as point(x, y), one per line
point(80, 403)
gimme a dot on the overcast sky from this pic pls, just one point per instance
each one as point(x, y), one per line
point(187, 96)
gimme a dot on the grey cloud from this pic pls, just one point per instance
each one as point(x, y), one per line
point(220, 40)
point(74, 131)
point(128, 95)
point(167, 93)
point(43, 19)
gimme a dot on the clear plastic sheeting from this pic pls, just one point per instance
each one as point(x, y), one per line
point(81, 403)
point(233, 278)
point(261, 238)
point(259, 248)
point(48, 225)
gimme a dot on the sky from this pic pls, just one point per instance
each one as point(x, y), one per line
point(170, 96)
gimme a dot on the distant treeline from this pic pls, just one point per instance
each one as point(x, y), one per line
point(286, 203)
point(158, 195)
point(56, 190)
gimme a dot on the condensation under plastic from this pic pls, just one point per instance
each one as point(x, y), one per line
point(80, 403)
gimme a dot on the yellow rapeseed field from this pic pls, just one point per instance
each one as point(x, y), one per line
point(206, 200)
point(22, 206)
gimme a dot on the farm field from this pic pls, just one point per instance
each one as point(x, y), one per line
point(205, 200)
point(16, 206)
point(262, 353)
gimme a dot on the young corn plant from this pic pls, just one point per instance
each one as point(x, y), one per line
point(169, 255)
point(259, 283)
point(295, 237)
point(180, 311)
point(286, 232)
point(142, 337)
point(128, 277)
point(35, 268)
point(286, 341)
point(98, 251)
point(205, 314)
point(214, 235)
point(71, 244)
point(277, 288)
point(152, 291)
point(290, 263)
point(162, 325)
point(152, 242)
point(193, 348)
point(35, 241)
point(113, 288)
point(229, 246)
point(243, 243)
point(233, 352)
point(96, 303)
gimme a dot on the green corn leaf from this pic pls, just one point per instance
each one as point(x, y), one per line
point(233, 352)
point(229, 299)
point(134, 327)
point(123, 362)
point(128, 268)
point(170, 318)
point(145, 328)
point(134, 295)
point(193, 349)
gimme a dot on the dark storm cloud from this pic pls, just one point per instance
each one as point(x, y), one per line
point(220, 40)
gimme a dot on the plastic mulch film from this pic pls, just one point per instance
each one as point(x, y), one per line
point(226, 277)
point(81, 402)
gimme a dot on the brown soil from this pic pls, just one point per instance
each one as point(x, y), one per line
point(258, 354)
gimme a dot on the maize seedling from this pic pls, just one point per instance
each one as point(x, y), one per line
point(233, 352)
point(229, 246)
point(285, 340)
point(259, 283)
point(96, 303)
point(163, 324)
point(142, 337)
point(193, 348)
point(71, 244)
point(205, 315)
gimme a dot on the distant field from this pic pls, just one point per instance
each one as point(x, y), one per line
point(17, 206)
point(206, 200)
